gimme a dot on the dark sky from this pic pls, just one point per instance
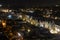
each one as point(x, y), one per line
point(30, 3)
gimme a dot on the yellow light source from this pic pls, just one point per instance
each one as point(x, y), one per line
point(28, 30)
point(47, 16)
point(24, 19)
point(4, 25)
point(31, 22)
point(10, 34)
point(31, 18)
point(5, 10)
point(53, 31)
point(28, 20)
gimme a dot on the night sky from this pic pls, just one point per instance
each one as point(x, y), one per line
point(30, 3)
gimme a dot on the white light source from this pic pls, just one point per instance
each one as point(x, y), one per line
point(27, 16)
point(9, 16)
point(20, 16)
point(28, 20)
point(0, 5)
point(57, 29)
point(41, 25)
point(10, 10)
point(56, 18)
point(57, 5)
point(19, 34)
point(51, 10)
point(31, 11)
